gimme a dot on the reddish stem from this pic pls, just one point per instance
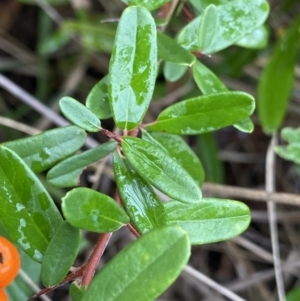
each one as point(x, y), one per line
point(91, 265)
point(111, 135)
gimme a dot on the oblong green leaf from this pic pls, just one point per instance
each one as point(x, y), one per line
point(46, 149)
point(173, 72)
point(255, 40)
point(209, 83)
point(292, 150)
point(146, 211)
point(207, 150)
point(77, 291)
point(206, 80)
point(67, 172)
point(210, 220)
point(150, 5)
point(188, 37)
point(27, 211)
point(226, 24)
point(97, 100)
point(60, 254)
point(152, 163)
point(171, 51)
point(276, 80)
point(88, 209)
point(132, 69)
point(79, 114)
point(179, 151)
point(205, 113)
point(152, 263)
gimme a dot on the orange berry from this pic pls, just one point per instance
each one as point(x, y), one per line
point(3, 296)
point(9, 262)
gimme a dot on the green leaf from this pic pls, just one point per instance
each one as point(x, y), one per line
point(60, 254)
point(97, 100)
point(246, 125)
point(207, 150)
point(150, 5)
point(179, 151)
point(210, 220)
point(292, 150)
point(257, 39)
point(150, 265)
point(92, 36)
point(132, 69)
point(206, 80)
point(19, 288)
point(141, 203)
point(88, 209)
point(277, 78)
point(77, 291)
point(189, 35)
point(46, 149)
point(67, 172)
point(291, 135)
point(209, 83)
point(54, 42)
point(202, 4)
point(153, 164)
point(27, 211)
point(173, 72)
point(293, 294)
point(79, 114)
point(171, 51)
point(205, 113)
point(226, 24)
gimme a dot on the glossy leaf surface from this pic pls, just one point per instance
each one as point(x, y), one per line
point(255, 40)
point(189, 35)
point(27, 211)
point(60, 255)
point(152, 163)
point(67, 172)
point(46, 149)
point(178, 150)
point(202, 4)
point(173, 72)
point(226, 24)
point(210, 220)
point(206, 80)
point(209, 83)
point(146, 211)
point(150, 5)
point(79, 114)
point(132, 69)
point(292, 150)
point(77, 291)
point(152, 263)
point(88, 209)
point(205, 113)
point(277, 79)
point(171, 51)
point(97, 100)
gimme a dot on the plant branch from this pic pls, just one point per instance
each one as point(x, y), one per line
point(271, 206)
point(90, 267)
point(226, 191)
point(196, 275)
point(111, 135)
